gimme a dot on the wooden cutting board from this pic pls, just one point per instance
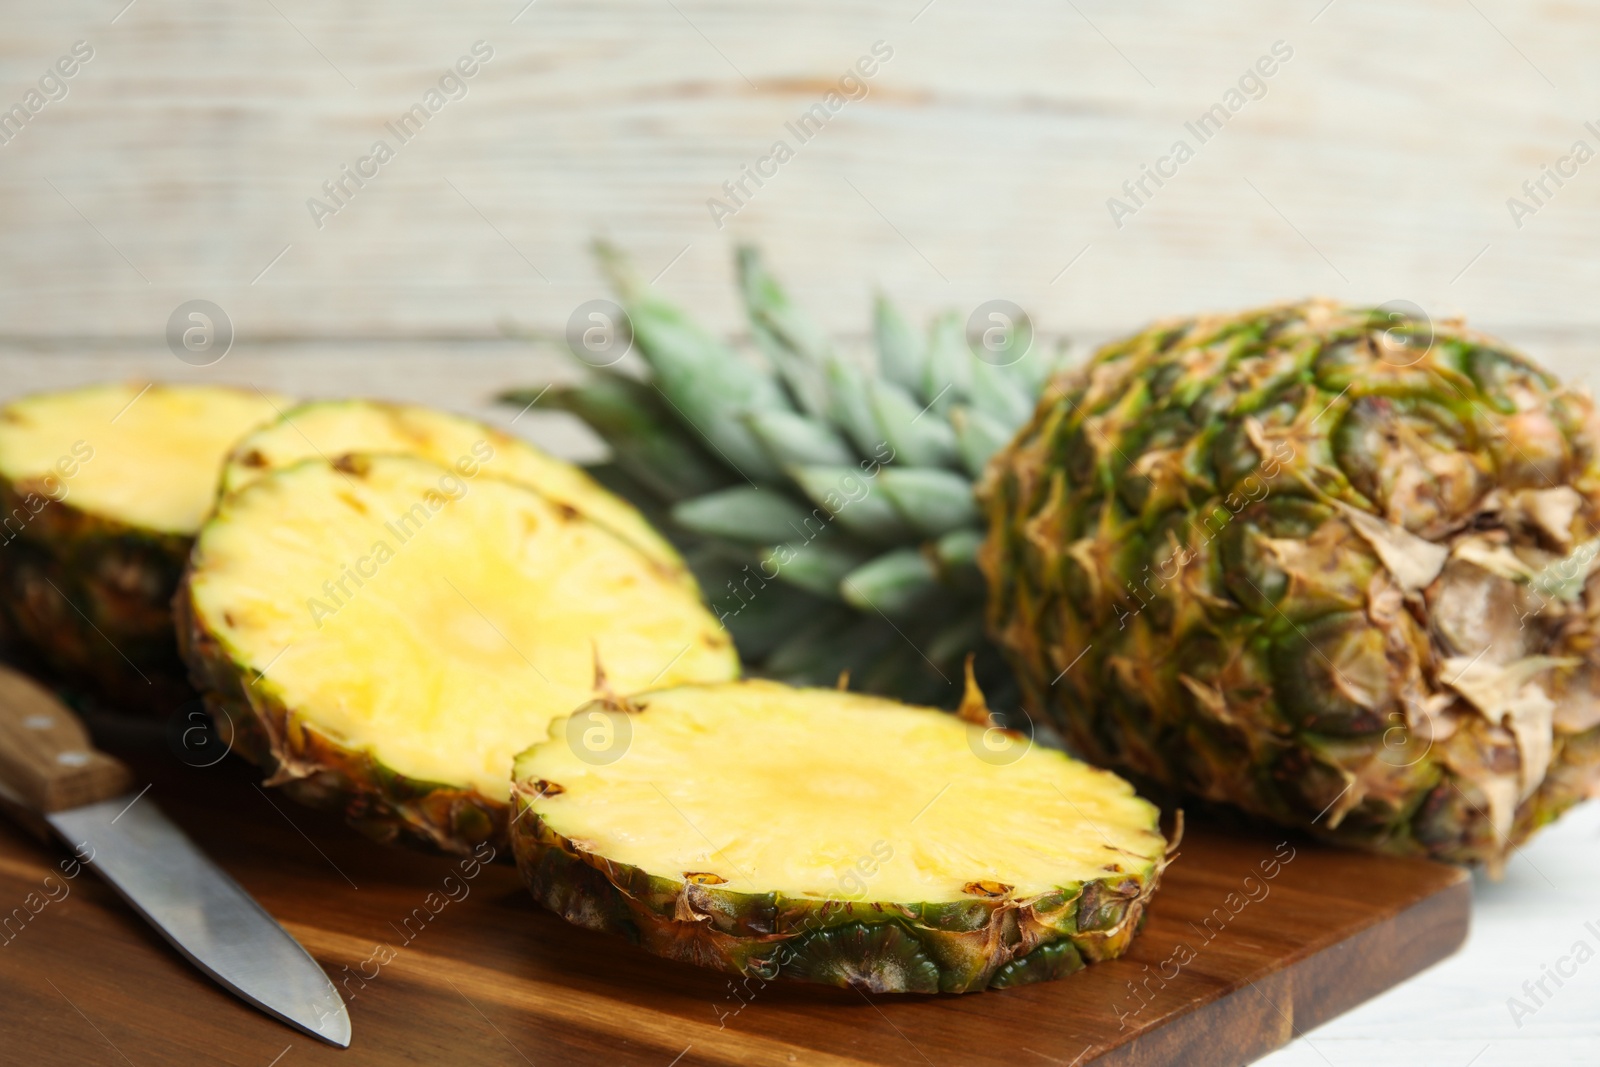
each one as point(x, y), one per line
point(1252, 940)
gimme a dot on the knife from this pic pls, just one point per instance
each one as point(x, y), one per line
point(50, 769)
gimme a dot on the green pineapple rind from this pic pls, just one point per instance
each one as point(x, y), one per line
point(91, 597)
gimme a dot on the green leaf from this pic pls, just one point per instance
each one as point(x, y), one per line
point(900, 357)
point(959, 548)
point(957, 556)
point(893, 583)
point(951, 643)
point(850, 409)
point(948, 376)
point(646, 441)
point(807, 383)
point(816, 565)
point(978, 437)
point(794, 440)
point(651, 504)
point(903, 671)
point(1001, 395)
point(854, 502)
point(765, 618)
point(919, 438)
point(706, 384)
point(832, 642)
point(743, 513)
point(791, 339)
point(933, 501)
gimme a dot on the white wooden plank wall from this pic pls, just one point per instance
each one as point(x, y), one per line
point(1376, 166)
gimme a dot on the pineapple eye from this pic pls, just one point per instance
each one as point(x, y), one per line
point(703, 878)
point(988, 890)
point(350, 463)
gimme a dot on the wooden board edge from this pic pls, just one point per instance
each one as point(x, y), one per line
point(1277, 1006)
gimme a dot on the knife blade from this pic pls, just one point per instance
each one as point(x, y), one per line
point(49, 769)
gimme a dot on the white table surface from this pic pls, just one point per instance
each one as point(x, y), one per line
point(1457, 1013)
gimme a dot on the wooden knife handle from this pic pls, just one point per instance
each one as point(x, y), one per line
point(46, 759)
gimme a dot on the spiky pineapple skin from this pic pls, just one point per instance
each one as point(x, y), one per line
point(1136, 584)
point(313, 769)
point(91, 597)
point(881, 947)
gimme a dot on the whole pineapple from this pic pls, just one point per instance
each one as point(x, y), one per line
point(1331, 566)
point(826, 506)
point(1328, 565)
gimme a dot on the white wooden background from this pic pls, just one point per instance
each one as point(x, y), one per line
point(1376, 167)
point(978, 166)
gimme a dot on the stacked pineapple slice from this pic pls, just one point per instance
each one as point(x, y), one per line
point(383, 634)
point(103, 490)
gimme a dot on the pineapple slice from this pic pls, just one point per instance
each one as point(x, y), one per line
point(831, 837)
point(102, 490)
point(384, 634)
point(331, 428)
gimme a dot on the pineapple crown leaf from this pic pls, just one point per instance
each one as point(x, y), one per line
point(813, 406)
point(792, 439)
point(647, 442)
point(794, 344)
point(900, 354)
point(892, 583)
point(618, 269)
point(818, 566)
point(850, 479)
point(852, 502)
point(743, 512)
point(934, 501)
